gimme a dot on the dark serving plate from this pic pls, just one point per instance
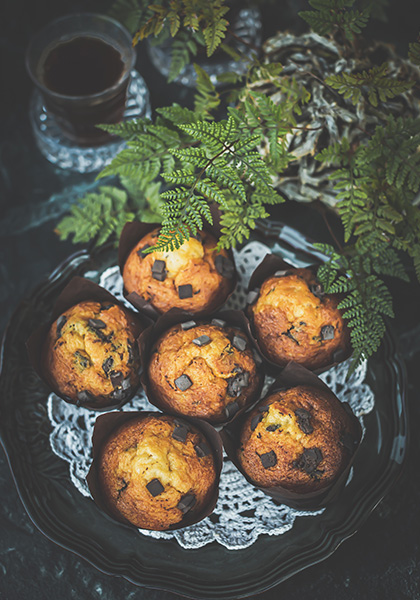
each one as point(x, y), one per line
point(74, 522)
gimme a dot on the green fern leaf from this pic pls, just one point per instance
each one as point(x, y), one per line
point(414, 52)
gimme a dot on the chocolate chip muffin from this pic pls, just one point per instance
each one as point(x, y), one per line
point(295, 321)
point(195, 277)
point(203, 370)
point(301, 439)
point(90, 355)
point(156, 470)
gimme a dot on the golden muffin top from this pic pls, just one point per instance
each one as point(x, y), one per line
point(195, 277)
point(203, 370)
point(156, 469)
point(301, 439)
point(91, 352)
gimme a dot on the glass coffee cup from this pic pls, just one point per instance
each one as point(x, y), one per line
point(81, 65)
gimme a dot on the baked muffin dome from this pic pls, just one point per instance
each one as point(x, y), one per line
point(300, 439)
point(203, 370)
point(295, 321)
point(91, 356)
point(196, 277)
point(153, 470)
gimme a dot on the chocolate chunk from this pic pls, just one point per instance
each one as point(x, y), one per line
point(107, 306)
point(290, 336)
point(159, 270)
point(349, 442)
point(122, 392)
point(158, 266)
point(239, 343)
point(252, 296)
point(183, 382)
point(269, 459)
point(83, 360)
point(272, 428)
point(137, 300)
point(224, 266)
point(188, 325)
point(327, 332)
point(255, 420)
point(203, 340)
point(107, 364)
point(186, 503)
point(180, 433)
point(218, 323)
point(84, 396)
point(238, 382)
point(142, 251)
point(97, 323)
point(61, 321)
point(202, 450)
point(317, 290)
point(155, 487)
point(159, 276)
point(231, 409)
point(116, 378)
point(304, 420)
point(185, 291)
point(309, 460)
point(123, 487)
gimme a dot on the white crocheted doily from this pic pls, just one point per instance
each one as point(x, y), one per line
point(242, 513)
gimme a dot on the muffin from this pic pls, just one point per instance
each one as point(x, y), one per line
point(295, 321)
point(195, 277)
point(90, 354)
point(203, 370)
point(300, 439)
point(156, 470)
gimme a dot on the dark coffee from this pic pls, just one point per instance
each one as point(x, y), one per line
point(78, 69)
point(81, 67)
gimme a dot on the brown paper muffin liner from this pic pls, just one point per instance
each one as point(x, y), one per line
point(77, 290)
point(107, 423)
point(147, 340)
point(270, 265)
point(131, 234)
point(291, 376)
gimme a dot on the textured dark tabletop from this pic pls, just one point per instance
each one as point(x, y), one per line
point(382, 560)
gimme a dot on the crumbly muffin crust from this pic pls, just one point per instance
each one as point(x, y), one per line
point(196, 277)
point(295, 321)
point(90, 354)
point(300, 439)
point(206, 371)
point(156, 469)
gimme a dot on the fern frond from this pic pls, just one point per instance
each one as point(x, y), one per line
point(96, 217)
point(335, 15)
point(216, 27)
point(414, 52)
point(366, 300)
point(206, 98)
point(336, 154)
point(376, 82)
point(182, 49)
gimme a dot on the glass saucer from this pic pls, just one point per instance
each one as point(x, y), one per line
point(64, 153)
point(247, 26)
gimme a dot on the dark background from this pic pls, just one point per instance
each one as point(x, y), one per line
point(382, 559)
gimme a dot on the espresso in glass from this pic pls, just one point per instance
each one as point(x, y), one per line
point(81, 64)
